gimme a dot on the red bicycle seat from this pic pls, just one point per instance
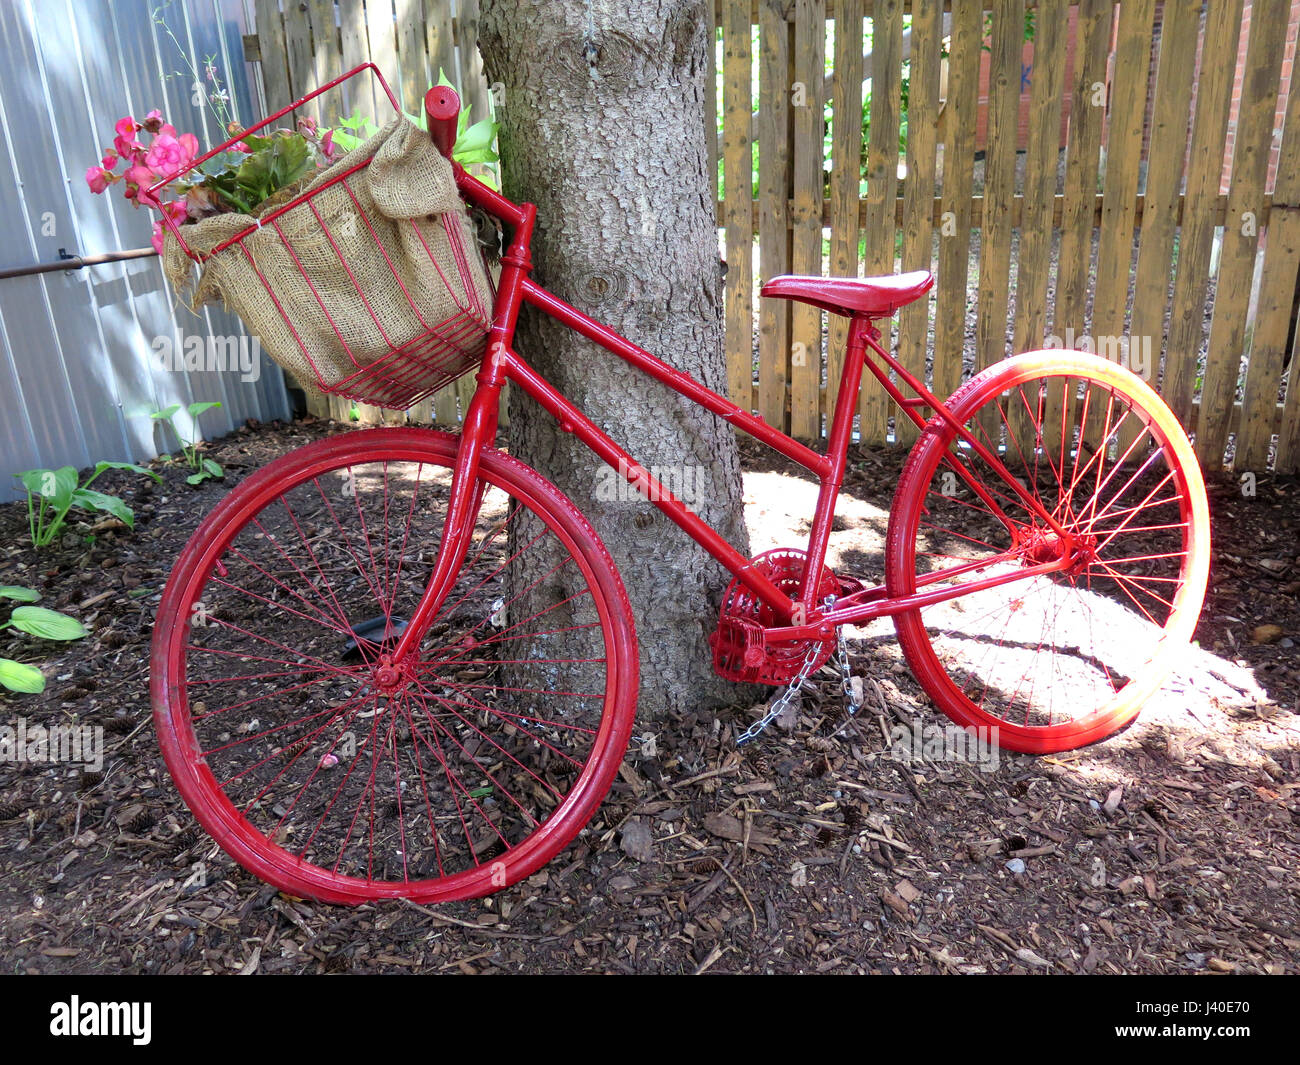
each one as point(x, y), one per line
point(875, 297)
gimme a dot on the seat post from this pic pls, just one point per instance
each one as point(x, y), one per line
point(837, 446)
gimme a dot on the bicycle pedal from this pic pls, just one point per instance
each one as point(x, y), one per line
point(739, 649)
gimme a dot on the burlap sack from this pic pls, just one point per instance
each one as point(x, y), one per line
point(405, 201)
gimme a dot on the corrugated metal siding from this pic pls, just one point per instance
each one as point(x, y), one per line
point(78, 370)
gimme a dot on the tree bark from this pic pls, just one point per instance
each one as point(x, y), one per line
point(602, 127)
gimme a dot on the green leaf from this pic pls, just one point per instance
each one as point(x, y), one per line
point(265, 172)
point(357, 122)
point(55, 485)
point(20, 677)
point(47, 624)
point(291, 158)
point(346, 141)
point(197, 478)
point(92, 500)
point(167, 413)
point(198, 408)
point(485, 155)
point(100, 467)
point(14, 591)
point(213, 467)
point(477, 137)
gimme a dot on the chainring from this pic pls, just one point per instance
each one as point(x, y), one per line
point(740, 650)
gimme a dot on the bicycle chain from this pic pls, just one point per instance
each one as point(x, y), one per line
point(779, 705)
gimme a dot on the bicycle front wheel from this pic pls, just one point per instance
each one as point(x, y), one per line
point(1062, 659)
point(335, 769)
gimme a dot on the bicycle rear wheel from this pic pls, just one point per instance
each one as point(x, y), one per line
point(1065, 658)
point(332, 769)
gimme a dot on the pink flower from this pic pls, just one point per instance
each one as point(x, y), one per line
point(327, 146)
point(97, 179)
point(152, 121)
point(109, 162)
point(139, 175)
point(175, 212)
point(138, 180)
point(169, 154)
point(126, 127)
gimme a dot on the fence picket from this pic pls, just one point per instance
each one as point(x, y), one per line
point(960, 109)
point(773, 209)
point(882, 186)
point(1276, 299)
point(846, 147)
point(999, 187)
point(738, 212)
point(806, 216)
point(1241, 228)
point(1200, 206)
point(919, 188)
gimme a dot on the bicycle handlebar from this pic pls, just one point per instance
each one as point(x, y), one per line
point(442, 105)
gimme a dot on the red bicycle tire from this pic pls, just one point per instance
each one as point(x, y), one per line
point(195, 781)
point(914, 499)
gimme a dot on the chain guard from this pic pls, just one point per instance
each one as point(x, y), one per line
point(741, 651)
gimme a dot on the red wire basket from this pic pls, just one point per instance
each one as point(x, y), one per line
point(359, 289)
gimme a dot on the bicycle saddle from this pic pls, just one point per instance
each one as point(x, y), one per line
point(874, 297)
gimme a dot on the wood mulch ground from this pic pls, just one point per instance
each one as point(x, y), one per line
point(1171, 847)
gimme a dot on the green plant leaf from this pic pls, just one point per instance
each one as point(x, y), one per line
point(92, 500)
point(477, 137)
point(485, 155)
point(14, 591)
point(100, 467)
point(213, 467)
point(196, 409)
point(346, 141)
point(20, 677)
point(47, 624)
point(357, 122)
point(267, 171)
point(167, 413)
point(56, 486)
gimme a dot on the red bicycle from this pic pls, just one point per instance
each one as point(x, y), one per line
point(399, 663)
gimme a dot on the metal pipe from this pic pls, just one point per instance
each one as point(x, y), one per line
point(76, 262)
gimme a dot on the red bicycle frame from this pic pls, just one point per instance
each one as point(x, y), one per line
point(501, 363)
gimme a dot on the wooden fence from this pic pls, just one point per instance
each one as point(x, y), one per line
point(1166, 217)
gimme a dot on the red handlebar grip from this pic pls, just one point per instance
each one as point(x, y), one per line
point(442, 105)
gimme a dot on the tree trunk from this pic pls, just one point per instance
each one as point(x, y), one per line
point(602, 127)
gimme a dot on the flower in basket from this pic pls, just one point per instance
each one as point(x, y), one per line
point(239, 179)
